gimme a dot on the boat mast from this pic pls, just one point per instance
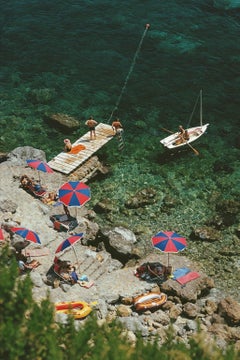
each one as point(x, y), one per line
point(200, 107)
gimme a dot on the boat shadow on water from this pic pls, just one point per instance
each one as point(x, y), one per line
point(168, 156)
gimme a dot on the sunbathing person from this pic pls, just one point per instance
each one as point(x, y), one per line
point(25, 181)
point(32, 186)
point(50, 197)
point(25, 263)
point(74, 275)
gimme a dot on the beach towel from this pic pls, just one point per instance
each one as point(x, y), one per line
point(75, 149)
point(86, 284)
point(180, 272)
point(36, 252)
point(192, 275)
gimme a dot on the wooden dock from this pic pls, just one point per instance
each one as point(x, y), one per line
point(68, 162)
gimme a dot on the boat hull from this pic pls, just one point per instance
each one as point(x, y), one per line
point(149, 301)
point(194, 134)
point(78, 309)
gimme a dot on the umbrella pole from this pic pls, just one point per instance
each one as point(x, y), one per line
point(168, 259)
point(76, 256)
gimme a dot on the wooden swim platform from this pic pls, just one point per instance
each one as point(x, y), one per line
point(82, 150)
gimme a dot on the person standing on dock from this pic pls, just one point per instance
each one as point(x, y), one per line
point(117, 127)
point(91, 123)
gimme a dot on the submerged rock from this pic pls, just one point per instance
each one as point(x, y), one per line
point(226, 4)
point(63, 120)
point(141, 198)
point(206, 233)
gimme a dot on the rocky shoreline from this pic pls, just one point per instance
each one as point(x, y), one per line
point(109, 256)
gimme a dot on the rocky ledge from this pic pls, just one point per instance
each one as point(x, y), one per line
point(109, 257)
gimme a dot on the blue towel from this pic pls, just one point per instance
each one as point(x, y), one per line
point(180, 272)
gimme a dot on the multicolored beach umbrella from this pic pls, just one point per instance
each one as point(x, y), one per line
point(26, 234)
point(69, 242)
point(169, 242)
point(39, 165)
point(2, 238)
point(74, 193)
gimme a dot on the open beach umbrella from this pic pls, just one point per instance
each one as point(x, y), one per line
point(1, 235)
point(26, 234)
point(39, 165)
point(169, 242)
point(74, 193)
point(69, 242)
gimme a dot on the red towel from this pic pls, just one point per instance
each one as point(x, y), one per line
point(188, 277)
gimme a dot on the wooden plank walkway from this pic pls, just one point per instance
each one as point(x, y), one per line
point(66, 162)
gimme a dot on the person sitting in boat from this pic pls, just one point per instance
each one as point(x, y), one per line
point(183, 135)
point(117, 127)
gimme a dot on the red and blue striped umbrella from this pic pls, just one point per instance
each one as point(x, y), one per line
point(74, 193)
point(39, 165)
point(26, 234)
point(1, 235)
point(169, 242)
point(69, 242)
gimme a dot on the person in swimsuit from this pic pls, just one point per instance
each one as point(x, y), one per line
point(91, 123)
point(183, 135)
point(117, 127)
point(68, 145)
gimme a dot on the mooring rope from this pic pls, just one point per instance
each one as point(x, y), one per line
point(130, 72)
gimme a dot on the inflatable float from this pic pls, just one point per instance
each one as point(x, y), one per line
point(78, 309)
point(149, 301)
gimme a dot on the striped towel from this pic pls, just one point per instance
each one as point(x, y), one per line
point(192, 275)
point(180, 272)
point(36, 252)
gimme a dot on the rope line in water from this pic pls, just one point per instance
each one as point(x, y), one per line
point(129, 73)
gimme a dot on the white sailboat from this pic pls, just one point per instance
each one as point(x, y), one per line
point(172, 141)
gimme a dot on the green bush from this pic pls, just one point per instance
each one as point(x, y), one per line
point(28, 331)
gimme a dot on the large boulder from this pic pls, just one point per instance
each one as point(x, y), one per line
point(120, 242)
point(230, 310)
point(19, 155)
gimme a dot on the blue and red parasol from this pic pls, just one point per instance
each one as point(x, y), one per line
point(74, 193)
point(40, 165)
point(26, 234)
point(169, 242)
point(69, 242)
point(1, 235)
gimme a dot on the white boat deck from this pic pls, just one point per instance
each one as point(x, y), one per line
point(67, 162)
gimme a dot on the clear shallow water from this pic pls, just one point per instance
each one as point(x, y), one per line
point(73, 57)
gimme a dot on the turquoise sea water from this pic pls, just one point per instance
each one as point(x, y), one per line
point(74, 57)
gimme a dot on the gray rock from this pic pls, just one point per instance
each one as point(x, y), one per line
point(133, 324)
point(19, 155)
point(120, 240)
point(36, 279)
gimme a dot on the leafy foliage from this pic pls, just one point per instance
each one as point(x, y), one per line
point(28, 331)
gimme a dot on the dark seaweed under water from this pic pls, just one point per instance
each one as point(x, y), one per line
point(74, 58)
